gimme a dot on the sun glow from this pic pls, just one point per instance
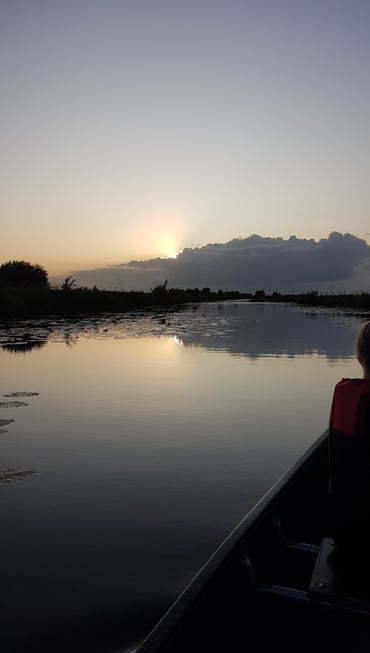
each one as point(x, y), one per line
point(168, 247)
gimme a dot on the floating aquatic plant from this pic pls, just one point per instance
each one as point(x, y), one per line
point(10, 474)
point(21, 394)
point(4, 422)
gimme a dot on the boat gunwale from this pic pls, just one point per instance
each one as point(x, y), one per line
point(193, 589)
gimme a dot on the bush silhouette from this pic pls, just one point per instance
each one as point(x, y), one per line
point(68, 283)
point(22, 273)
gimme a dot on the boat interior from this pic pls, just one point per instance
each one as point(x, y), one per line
point(280, 586)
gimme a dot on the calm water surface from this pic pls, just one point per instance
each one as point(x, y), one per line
point(151, 436)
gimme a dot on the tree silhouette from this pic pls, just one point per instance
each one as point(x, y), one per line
point(161, 290)
point(22, 273)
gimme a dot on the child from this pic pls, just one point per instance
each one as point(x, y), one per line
point(349, 452)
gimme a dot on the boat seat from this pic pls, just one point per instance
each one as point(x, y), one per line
point(338, 581)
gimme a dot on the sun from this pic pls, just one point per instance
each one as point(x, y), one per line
point(167, 246)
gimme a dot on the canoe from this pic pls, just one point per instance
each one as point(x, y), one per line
point(271, 586)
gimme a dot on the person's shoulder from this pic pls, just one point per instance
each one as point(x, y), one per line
point(347, 386)
point(356, 382)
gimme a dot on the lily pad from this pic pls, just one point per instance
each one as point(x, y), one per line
point(9, 474)
point(22, 394)
point(12, 404)
point(4, 422)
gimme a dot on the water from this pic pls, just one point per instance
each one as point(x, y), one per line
point(149, 439)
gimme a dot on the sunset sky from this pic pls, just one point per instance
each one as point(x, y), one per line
point(132, 129)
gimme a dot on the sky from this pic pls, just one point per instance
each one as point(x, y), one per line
point(136, 129)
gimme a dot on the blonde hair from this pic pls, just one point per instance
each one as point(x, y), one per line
point(362, 347)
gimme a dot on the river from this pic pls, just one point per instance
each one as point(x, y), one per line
point(137, 442)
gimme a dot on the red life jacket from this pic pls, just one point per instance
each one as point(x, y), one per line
point(350, 407)
point(349, 460)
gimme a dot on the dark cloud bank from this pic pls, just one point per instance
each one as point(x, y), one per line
point(340, 262)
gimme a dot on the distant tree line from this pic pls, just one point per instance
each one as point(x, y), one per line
point(355, 300)
point(25, 291)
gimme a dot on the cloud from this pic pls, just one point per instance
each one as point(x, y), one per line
point(339, 262)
